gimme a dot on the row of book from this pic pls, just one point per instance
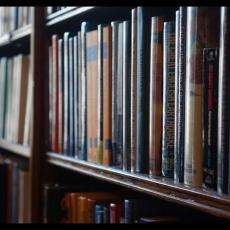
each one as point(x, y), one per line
point(76, 204)
point(142, 95)
point(16, 99)
point(13, 18)
point(14, 193)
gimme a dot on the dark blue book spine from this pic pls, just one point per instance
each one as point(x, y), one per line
point(99, 214)
point(128, 212)
point(168, 100)
point(180, 98)
point(3, 192)
point(143, 53)
point(66, 94)
point(15, 188)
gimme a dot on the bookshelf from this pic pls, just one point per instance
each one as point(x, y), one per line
point(16, 148)
point(40, 158)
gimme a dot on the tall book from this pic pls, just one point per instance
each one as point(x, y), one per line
point(156, 82)
point(180, 74)
point(100, 97)
point(126, 97)
point(75, 91)
point(92, 77)
point(66, 94)
point(60, 94)
point(83, 153)
point(223, 174)
point(71, 98)
point(202, 31)
point(107, 95)
point(133, 93)
point(168, 100)
point(143, 52)
point(117, 109)
point(210, 112)
point(115, 35)
point(55, 89)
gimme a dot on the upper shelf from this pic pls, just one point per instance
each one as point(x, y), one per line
point(15, 36)
point(66, 14)
point(207, 201)
point(15, 148)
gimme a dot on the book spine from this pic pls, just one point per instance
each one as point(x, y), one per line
point(115, 213)
point(92, 65)
point(66, 98)
point(100, 96)
point(79, 129)
point(180, 97)
point(156, 82)
point(126, 97)
point(76, 87)
point(99, 214)
point(143, 43)
point(128, 212)
point(55, 93)
point(168, 100)
point(83, 153)
point(210, 77)
point(223, 156)
point(114, 26)
point(107, 96)
point(50, 98)
point(60, 95)
point(133, 131)
point(198, 37)
point(71, 99)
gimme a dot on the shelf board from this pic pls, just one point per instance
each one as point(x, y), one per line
point(15, 148)
point(15, 36)
point(66, 14)
point(208, 201)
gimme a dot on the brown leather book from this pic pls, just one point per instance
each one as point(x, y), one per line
point(107, 95)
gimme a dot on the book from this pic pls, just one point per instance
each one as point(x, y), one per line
point(180, 75)
point(143, 43)
point(156, 83)
point(126, 103)
point(107, 95)
point(223, 185)
point(168, 100)
point(133, 115)
point(202, 31)
point(210, 112)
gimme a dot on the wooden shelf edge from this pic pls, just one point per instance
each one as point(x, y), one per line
point(15, 35)
point(209, 202)
point(58, 17)
point(16, 148)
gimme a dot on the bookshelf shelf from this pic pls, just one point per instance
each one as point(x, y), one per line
point(67, 14)
point(15, 36)
point(15, 148)
point(207, 201)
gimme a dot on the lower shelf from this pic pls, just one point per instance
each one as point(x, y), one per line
point(15, 148)
point(207, 201)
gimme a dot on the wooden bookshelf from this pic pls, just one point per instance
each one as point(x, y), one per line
point(67, 14)
point(18, 149)
point(207, 201)
point(15, 36)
